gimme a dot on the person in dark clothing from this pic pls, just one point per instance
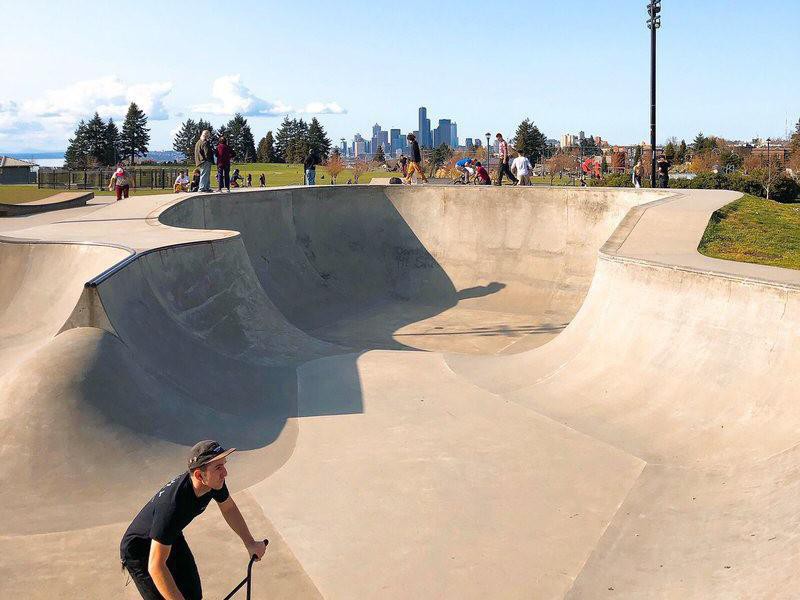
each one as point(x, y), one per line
point(502, 168)
point(224, 156)
point(310, 167)
point(262, 180)
point(415, 160)
point(195, 184)
point(662, 170)
point(153, 549)
point(204, 158)
point(482, 175)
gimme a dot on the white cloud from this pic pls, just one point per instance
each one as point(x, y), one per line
point(50, 119)
point(320, 108)
point(232, 96)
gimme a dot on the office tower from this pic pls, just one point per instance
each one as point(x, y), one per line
point(442, 134)
point(424, 137)
point(469, 143)
point(376, 138)
point(454, 135)
point(396, 140)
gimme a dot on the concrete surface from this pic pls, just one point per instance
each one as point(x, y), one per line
point(57, 201)
point(437, 392)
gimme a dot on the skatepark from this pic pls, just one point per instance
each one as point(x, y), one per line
point(435, 391)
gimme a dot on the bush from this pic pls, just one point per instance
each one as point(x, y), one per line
point(613, 180)
point(746, 184)
point(784, 189)
point(709, 181)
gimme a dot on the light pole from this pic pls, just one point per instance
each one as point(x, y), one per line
point(653, 23)
point(769, 167)
point(488, 161)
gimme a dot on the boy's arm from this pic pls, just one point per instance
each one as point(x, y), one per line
point(235, 520)
point(157, 567)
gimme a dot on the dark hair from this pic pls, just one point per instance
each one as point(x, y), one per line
point(478, 164)
point(222, 140)
point(499, 135)
point(411, 136)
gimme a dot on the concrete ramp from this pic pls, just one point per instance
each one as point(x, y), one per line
point(437, 392)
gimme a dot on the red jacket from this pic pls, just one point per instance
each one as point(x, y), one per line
point(482, 174)
point(224, 155)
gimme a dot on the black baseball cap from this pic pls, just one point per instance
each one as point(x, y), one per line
point(205, 452)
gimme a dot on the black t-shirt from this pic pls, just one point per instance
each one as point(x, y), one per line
point(310, 162)
point(662, 167)
point(164, 517)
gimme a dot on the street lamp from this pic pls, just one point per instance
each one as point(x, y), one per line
point(769, 168)
point(488, 161)
point(653, 23)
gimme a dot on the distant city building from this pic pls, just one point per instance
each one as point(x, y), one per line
point(469, 143)
point(424, 136)
point(478, 143)
point(568, 140)
point(454, 135)
point(443, 133)
point(581, 136)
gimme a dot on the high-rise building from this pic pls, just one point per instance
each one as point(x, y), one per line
point(424, 137)
point(442, 134)
point(454, 135)
point(376, 138)
point(469, 143)
point(396, 140)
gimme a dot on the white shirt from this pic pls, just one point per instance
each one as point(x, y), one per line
point(522, 166)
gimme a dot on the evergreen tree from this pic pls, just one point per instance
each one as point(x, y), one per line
point(317, 140)
point(240, 138)
point(589, 146)
point(530, 142)
point(135, 133)
point(282, 138)
point(95, 141)
point(186, 138)
point(379, 157)
point(670, 151)
point(795, 139)
point(201, 127)
point(441, 155)
point(637, 156)
point(681, 153)
point(112, 149)
point(76, 155)
point(265, 152)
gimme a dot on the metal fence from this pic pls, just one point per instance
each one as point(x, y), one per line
point(98, 179)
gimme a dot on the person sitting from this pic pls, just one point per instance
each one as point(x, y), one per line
point(181, 182)
point(482, 175)
point(464, 166)
point(195, 184)
point(236, 177)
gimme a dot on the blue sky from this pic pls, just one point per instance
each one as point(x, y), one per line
point(728, 68)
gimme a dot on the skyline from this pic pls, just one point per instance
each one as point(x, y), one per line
point(575, 68)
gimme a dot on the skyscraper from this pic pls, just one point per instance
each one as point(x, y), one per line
point(454, 135)
point(424, 137)
point(443, 133)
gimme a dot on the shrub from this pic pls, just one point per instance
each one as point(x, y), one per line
point(785, 189)
point(746, 184)
point(613, 180)
point(709, 181)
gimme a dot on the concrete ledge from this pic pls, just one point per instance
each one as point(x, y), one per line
point(54, 202)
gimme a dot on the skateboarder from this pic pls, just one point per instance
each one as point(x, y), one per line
point(153, 549)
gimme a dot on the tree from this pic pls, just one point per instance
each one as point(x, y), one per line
point(637, 156)
point(282, 138)
point(135, 133)
point(95, 141)
point(530, 142)
point(201, 127)
point(335, 165)
point(589, 146)
point(379, 157)
point(670, 151)
point(112, 146)
point(794, 141)
point(440, 156)
point(680, 153)
point(265, 152)
point(317, 139)
point(359, 168)
point(559, 163)
point(240, 139)
point(76, 154)
point(186, 138)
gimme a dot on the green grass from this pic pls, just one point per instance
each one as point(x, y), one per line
point(14, 194)
point(755, 230)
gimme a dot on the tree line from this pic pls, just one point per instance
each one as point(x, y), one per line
point(97, 143)
point(290, 143)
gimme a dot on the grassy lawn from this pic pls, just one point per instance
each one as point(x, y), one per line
point(755, 230)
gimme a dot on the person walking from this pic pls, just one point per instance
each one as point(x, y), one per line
point(502, 168)
point(523, 169)
point(262, 180)
point(662, 170)
point(153, 549)
point(224, 155)
point(204, 158)
point(403, 164)
point(415, 160)
point(637, 174)
point(120, 182)
point(310, 167)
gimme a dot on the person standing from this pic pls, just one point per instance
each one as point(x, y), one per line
point(403, 164)
point(502, 168)
point(204, 158)
point(415, 160)
point(262, 180)
point(637, 174)
point(224, 156)
point(120, 182)
point(153, 549)
point(523, 168)
point(662, 170)
point(310, 167)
